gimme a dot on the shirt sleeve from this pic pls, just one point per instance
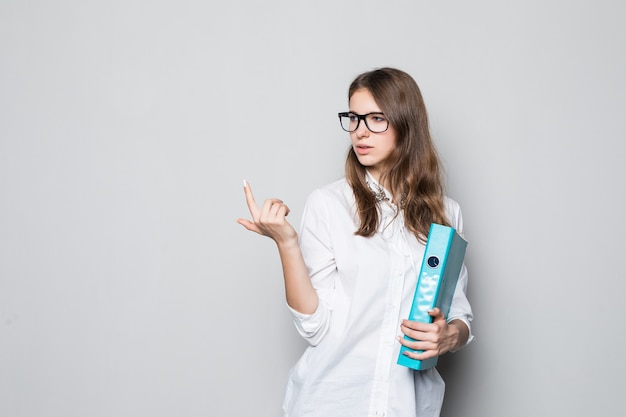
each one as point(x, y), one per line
point(317, 250)
point(460, 308)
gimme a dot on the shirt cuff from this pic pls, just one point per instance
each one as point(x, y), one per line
point(312, 327)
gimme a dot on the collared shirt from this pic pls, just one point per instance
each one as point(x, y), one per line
point(365, 287)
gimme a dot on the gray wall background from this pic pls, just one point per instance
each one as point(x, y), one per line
point(126, 128)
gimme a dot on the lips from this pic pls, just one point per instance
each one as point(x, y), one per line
point(362, 149)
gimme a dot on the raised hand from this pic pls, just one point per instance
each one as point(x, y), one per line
point(269, 220)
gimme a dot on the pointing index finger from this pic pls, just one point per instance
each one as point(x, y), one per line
point(252, 206)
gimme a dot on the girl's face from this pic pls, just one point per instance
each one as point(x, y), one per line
point(372, 149)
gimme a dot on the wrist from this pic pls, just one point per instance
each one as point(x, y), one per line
point(288, 244)
point(459, 333)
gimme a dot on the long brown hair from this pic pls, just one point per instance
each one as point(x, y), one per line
point(412, 172)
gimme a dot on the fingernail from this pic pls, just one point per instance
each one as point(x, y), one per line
point(245, 183)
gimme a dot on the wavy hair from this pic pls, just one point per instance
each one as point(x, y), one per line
point(412, 172)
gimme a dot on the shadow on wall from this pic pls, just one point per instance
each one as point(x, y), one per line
point(458, 372)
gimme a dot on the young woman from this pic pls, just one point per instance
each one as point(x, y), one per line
point(351, 273)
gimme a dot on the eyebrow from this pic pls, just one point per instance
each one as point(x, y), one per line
point(365, 114)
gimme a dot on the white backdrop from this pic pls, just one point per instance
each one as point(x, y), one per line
point(126, 128)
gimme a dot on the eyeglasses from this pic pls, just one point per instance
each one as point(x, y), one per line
point(376, 122)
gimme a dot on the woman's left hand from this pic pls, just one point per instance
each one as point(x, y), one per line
point(434, 339)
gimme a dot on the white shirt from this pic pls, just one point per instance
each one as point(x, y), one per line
point(365, 287)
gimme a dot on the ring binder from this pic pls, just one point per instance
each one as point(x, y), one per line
point(439, 273)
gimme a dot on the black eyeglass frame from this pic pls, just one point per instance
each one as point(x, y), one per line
point(361, 117)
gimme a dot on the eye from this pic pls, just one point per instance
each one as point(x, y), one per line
point(353, 117)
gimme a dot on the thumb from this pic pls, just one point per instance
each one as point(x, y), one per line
point(249, 225)
point(436, 314)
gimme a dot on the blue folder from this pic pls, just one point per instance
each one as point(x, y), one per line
point(439, 273)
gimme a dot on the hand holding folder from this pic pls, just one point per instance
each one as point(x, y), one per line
point(439, 273)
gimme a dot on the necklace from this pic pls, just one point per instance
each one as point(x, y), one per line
point(378, 191)
point(381, 195)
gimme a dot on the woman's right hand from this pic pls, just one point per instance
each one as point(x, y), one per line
point(270, 220)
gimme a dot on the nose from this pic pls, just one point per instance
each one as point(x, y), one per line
point(362, 130)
